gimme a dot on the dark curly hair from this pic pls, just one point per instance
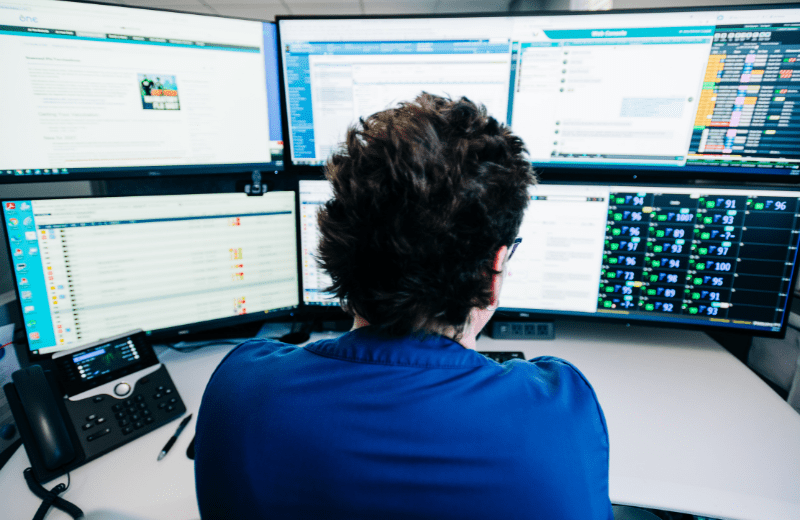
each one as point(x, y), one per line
point(424, 196)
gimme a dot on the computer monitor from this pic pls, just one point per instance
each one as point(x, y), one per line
point(312, 195)
point(669, 93)
point(702, 256)
point(90, 268)
point(699, 257)
point(94, 91)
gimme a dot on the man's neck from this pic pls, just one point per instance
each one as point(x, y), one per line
point(466, 340)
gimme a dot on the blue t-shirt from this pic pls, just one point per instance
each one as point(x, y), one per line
point(372, 427)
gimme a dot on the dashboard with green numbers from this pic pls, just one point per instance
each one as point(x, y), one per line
point(707, 256)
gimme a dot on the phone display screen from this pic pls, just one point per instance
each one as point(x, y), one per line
point(103, 361)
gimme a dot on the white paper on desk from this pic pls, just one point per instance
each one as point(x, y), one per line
point(8, 365)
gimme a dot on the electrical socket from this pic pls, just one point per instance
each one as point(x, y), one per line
point(522, 330)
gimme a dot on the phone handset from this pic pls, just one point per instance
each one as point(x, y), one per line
point(46, 422)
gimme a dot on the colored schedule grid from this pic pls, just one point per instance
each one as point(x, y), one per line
point(746, 114)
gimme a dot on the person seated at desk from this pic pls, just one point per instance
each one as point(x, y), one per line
point(401, 417)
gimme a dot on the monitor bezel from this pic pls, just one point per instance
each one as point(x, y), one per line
point(163, 334)
point(187, 170)
point(504, 313)
point(588, 173)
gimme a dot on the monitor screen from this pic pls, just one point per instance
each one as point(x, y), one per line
point(90, 268)
point(670, 93)
point(693, 256)
point(313, 194)
point(99, 91)
point(702, 256)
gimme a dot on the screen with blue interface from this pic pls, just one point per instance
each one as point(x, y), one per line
point(91, 268)
point(97, 91)
point(313, 194)
point(709, 257)
point(692, 91)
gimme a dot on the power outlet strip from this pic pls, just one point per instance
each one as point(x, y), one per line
point(522, 330)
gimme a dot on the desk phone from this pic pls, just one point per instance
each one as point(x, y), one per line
point(96, 398)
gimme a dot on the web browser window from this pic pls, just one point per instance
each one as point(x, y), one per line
point(94, 86)
point(313, 194)
point(90, 268)
point(691, 91)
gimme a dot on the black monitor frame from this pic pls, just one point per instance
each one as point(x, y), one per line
point(705, 326)
point(185, 171)
point(588, 173)
point(336, 312)
point(159, 335)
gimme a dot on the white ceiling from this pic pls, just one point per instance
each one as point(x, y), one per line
point(268, 9)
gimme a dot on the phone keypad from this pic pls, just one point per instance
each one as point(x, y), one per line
point(153, 402)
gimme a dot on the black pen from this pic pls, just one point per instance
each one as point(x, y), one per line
point(174, 437)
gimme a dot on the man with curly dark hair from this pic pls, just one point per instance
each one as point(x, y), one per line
point(400, 417)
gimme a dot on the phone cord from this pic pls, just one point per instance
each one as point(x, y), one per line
point(50, 498)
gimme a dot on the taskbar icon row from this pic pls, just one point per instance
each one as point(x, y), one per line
point(35, 171)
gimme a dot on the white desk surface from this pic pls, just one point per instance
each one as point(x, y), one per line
point(691, 430)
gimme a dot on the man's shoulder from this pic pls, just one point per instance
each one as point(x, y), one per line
point(548, 372)
point(250, 356)
point(562, 387)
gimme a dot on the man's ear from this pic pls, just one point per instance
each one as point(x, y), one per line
point(500, 258)
point(497, 280)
